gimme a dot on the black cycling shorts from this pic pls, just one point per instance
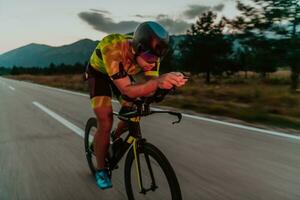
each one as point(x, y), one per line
point(100, 84)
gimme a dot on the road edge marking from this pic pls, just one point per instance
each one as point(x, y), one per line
point(12, 88)
point(60, 119)
point(275, 133)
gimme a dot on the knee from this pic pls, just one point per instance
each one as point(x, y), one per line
point(104, 125)
point(105, 121)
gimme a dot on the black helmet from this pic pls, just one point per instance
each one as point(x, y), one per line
point(152, 37)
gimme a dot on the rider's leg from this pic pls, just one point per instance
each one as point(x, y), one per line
point(101, 139)
point(121, 128)
point(103, 110)
point(122, 125)
point(100, 94)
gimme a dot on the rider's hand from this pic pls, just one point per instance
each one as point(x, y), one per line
point(169, 80)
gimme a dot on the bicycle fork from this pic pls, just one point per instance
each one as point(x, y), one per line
point(142, 190)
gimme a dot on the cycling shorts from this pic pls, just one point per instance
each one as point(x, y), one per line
point(101, 89)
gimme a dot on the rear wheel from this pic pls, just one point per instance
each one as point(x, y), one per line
point(90, 131)
point(158, 177)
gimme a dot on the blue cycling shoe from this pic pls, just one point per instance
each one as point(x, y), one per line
point(102, 179)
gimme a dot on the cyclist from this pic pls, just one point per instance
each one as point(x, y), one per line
point(115, 59)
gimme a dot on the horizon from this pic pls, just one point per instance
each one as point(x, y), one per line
point(34, 22)
point(55, 46)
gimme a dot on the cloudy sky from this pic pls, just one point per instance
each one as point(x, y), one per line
point(59, 22)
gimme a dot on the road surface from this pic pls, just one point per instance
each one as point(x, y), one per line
point(42, 153)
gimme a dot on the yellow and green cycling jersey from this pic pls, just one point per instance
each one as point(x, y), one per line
point(113, 56)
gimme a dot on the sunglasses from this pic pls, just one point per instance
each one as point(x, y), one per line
point(151, 57)
point(148, 57)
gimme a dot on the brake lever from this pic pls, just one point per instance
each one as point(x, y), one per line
point(185, 75)
point(179, 115)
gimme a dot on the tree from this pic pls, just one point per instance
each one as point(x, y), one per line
point(167, 63)
point(15, 70)
point(4, 71)
point(205, 48)
point(277, 19)
point(51, 69)
point(283, 17)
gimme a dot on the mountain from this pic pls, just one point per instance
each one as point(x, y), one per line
point(42, 55)
point(39, 55)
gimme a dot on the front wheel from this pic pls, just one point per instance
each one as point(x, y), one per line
point(158, 179)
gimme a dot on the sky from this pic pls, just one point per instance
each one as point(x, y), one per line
point(60, 22)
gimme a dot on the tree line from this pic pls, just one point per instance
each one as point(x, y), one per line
point(264, 37)
point(52, 69)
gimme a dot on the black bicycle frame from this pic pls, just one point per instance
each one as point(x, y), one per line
point(134, 140)
point(134, 134)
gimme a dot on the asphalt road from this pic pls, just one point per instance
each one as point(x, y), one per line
point(42, 157)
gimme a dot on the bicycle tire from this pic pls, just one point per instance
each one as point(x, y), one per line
point(163, 163)
point(91, 123)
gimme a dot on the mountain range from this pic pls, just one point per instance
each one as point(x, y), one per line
point(40, 55)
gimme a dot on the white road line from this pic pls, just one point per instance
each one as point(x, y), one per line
point(12, 88)
point(60, 119)
point(69, 92)
point(281, 134)
point(65, 91)
point(275, 133)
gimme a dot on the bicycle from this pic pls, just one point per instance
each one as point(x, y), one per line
point(137, 148)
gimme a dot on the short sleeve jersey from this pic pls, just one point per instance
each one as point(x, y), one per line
point(113, 56)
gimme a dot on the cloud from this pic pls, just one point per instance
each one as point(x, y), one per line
point(101, 22)
point(219, 7)
point(196, 10)
point(174, 26)
point(161, 16)
point(101, 11)
point(143, 16)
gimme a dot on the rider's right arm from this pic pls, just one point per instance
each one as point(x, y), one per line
point(165, 81)
point(136, 90)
